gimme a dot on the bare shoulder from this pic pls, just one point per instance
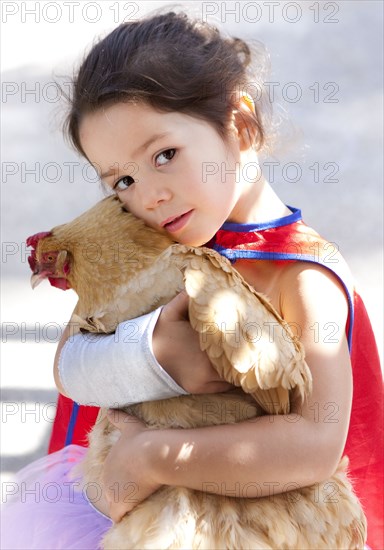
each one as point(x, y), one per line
point(311, 291)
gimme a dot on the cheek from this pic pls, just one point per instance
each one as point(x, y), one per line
point(134, 206)
point(126, 200)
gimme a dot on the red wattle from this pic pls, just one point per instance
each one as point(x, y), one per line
point(59, 282)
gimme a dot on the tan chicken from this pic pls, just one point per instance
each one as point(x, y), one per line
point(120, 269)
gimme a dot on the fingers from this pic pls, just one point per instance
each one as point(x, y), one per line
point(177, 308)
point(117, 511)
point(122, 420)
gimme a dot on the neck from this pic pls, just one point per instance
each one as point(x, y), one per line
point(257, 204)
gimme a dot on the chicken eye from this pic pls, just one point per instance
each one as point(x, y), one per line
point(165, 157)
point(124, 183)
point(50, 258)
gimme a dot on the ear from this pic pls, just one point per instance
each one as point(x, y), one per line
point(244, 121)
point(61, 261)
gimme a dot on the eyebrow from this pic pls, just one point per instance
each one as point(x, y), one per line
point(140, 149)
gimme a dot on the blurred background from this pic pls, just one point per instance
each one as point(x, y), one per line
point(326, 83)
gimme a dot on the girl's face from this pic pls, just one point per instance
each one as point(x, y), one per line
point(172, 170)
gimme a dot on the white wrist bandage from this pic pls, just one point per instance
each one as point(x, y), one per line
point(116, 369)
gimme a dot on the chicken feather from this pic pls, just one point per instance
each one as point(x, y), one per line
point(121, 269)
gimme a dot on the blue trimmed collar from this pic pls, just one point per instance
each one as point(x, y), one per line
point(278, 222)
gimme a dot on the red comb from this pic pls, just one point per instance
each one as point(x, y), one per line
point(34, 239)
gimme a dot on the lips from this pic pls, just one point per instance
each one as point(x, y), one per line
point(175, 223)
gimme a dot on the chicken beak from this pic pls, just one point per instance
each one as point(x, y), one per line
point(36, 279)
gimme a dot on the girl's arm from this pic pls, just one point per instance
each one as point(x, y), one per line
point(267, 455)
point(64, 337)
point(120, 369)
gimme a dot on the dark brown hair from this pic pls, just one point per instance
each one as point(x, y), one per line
point(170, 62)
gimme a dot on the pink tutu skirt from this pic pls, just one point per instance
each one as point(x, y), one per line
point(45, 508)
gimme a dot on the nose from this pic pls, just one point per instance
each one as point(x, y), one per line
point(153, 193)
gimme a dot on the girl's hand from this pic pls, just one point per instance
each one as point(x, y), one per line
point(176, 347)
point(126, 476)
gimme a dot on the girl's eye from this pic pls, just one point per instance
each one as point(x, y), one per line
point(123, 183)
point(165, 157)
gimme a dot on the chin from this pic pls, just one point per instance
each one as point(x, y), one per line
point(195, 243)
point(197, 240)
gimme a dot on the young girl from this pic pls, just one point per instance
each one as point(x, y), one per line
point(159, 108)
